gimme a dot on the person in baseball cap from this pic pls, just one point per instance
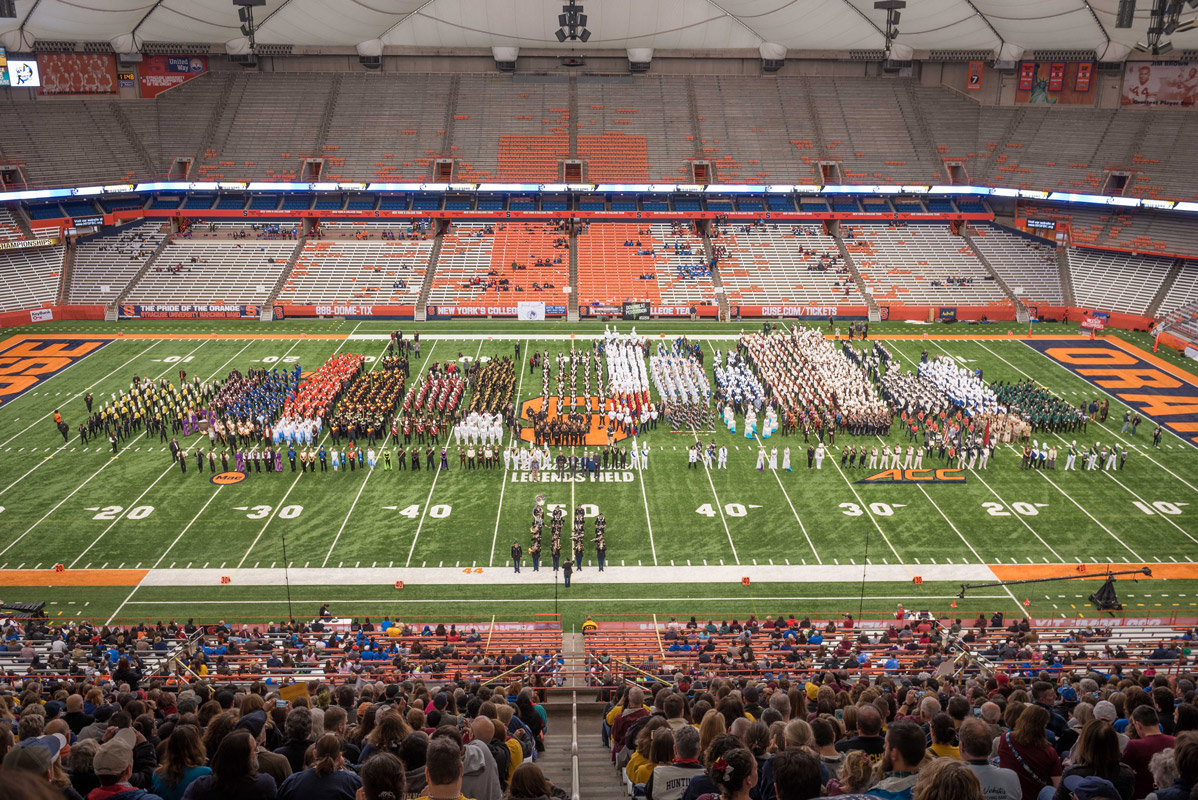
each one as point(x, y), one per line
point(1091, 788)
point(113, 765)
point(36, 755)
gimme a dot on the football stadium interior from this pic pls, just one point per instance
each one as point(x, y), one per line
point(866, 330)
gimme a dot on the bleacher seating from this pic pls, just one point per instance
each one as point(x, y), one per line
point(359, 272)
point(29, 278)
point(610, 271)
point(104, 265)
point(510, 132)
point(920, 265)
point(769, 264)
point(1184, 291)
point(1116, 281)
point(213, 271)
point(475, 264)
point(9, 230)
point(1027, 264)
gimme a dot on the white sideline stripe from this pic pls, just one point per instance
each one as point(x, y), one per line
point(540, 600)
point(541, 337)
point(503, 488)
point(453, 576)
point(77, 394)
point(104, 466)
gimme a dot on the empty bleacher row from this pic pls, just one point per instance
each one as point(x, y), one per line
point(501, 263)
point(1116, 281)
point(213, 272)
point(1028, 265)
point(655, 263)
point(769, 264)
point(104, 265)
point(9, 230)
point(920, 265)
point(359, 272)
point(629, 128)
point(29, 278)
point(1184, 291)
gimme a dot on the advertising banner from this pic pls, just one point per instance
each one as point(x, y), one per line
point(1159, 84)
point(635, 311)
point(530, 311)
point(41, 315)
point(128, 311)
point(488, 311)
point(945, 314)
point(77, 73)
point(3, 67)
point(159, 73)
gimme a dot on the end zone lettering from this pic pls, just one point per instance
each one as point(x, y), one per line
point(917, 476)
point(1123, 373)
point(28, 363)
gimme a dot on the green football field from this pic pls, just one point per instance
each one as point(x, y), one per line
point(139, 540)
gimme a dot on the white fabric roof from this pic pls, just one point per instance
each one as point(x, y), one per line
point(696, 25)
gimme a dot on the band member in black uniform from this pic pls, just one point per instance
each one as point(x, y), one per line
point(517, 552)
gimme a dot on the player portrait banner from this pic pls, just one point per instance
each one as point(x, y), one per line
point(1146, 384)
point(156, 74)
point(975, 76)
point(1055, 83)
point(530, 311)
point(30, 361)
point(77, 73)
point(128, 311)
point(1160, 84)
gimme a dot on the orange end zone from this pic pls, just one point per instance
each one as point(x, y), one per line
point(72, 577)
point(1015, 572)
point(1175, 371)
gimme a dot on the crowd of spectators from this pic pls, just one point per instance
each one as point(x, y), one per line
point(902, 737)
point(116, 740)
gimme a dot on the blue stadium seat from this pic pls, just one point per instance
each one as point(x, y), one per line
point(296, 202)
point(393, 203)
point(426, 204)
point(166, 201)
point(652, 206)
point(490, 205)
point(45, 211)
point(457, 205)
point(122, 205)
point(749, 204)
point(198, 201)
point(845, 206)
point(623, 205)
point(686, 205)
point(942, 206)
point(780, 204)
point(360, 204)
point(264, 202)
point(233, 202)
point(554, 205)
point(327, 203)
point(592, 205)
point(719, 205)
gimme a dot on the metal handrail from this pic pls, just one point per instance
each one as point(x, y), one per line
point(574, 793)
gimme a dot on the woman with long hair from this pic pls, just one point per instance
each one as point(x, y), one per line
point(529, 716)
point(327, 778)
point(661, 751)
point(1025, 751)
point(734, 773)
point(234, 773)
point(711, 726)
point(1097, 754)
point(529, 783)
point(947, 779)
point(390, 729)
point(856, 775)
point(382, 778)
point(183, 760)
point(644, 739)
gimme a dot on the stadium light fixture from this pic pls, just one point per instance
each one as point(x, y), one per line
point(893, 9)
point(572, 24)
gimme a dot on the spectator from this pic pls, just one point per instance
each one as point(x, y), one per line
point(480, 773)
point(702, 784)
point(624, 714)
point(796, 775)
point(443, 769)
point(22, 785)
point(1026, 752)
point(947, 779)
point(823, 733)
point(235, 773)
point(869, 735)
point(644, 742)
point(183, 761)
point(297, 731)
point(1097, 754)
point(80, 767)
point(734, 774)
point(529, 783)
point(856, 775)
point(272, 764)
point(412, 753)
point(326, 779)
point(39, 756)
point(382, 779)
point(114, 767)
point(661, 753)
point(1164, 769)
point(975, 746)
point(390, 729)
point(1185, 759)
point(75, 716)
point(905, 746)
point(944, 736)
point(1148, 742)
point(669, 781)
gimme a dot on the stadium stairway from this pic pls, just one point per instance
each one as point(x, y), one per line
point(125, 125)
point(146, 267)
point(268, 306)
point(572, 304)
point(1161, 293)
point(875, 314)
point(715, 273)
point(1021, 312)
point(20, 217)
point(597, 776)
point(66, 274)
point(1066, 276)
point(430, 272)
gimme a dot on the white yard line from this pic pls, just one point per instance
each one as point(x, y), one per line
point(719, 507)
point(785, 494)
point(865, 507)
point(436, 474)
point(503, 486)
point(649, 521)
point(1165, 517)
point(77, 394)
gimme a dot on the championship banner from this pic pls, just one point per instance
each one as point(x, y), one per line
point(1084, 72)
point(530, 311)
point(189, 312)
point(159, 73)
point(27, 244)
point(1056, 76)
point(77, 73)
point(1027, 75)
point(975, 76)
point(1159, 84)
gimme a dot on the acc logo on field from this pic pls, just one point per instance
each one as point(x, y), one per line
point(228, 478)
point(917, 476)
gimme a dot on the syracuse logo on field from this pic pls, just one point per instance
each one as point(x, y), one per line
point(917, 476)
point(227, 478)
point(31, 361)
